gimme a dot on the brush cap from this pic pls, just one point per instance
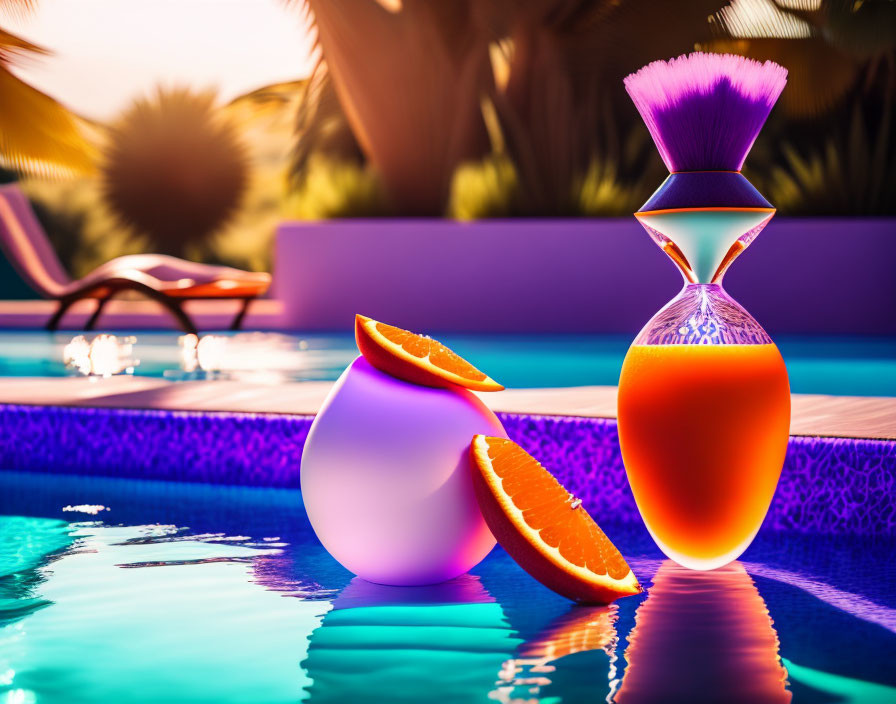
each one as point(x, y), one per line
point(698, 190)
point(704, 111)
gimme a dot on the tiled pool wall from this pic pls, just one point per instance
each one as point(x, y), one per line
point(828, 485)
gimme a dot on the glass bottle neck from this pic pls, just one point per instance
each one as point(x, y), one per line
point(702, 314)
point(703, 243)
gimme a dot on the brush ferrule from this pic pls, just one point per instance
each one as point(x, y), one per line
point(705, 190)
point(704, 111)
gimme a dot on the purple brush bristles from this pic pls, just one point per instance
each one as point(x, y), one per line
point(704, 111)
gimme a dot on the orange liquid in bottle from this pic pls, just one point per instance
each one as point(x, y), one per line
point(703, 430)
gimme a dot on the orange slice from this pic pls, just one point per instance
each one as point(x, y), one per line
point(415, 358)
point(544, 527)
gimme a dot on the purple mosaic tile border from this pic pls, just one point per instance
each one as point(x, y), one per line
point(217, 448)
point(829, 485)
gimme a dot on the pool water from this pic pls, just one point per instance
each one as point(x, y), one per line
point(115, 590)
point(842, 366)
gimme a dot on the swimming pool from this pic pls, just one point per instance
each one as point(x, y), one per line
point(843, 366)
point(115, 590)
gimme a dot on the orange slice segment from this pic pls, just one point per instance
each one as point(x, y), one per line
point(544, 528)
point(415, 358)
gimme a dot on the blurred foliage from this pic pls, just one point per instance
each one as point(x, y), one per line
point(464, 108)
point(86, 233)
point(174, 170)
point(409, 77)
point(563, 107)
point(549, 72)
point(37, 134)
point(321, 127)
point(601, 193)
point(332, 188)
point(828, 148)
point(246, 241)
point(565, 138)
point(265, 121)
point(82, 230)
point(827, 46)
point(491, 189)
point(485, 189)
point(851, 173)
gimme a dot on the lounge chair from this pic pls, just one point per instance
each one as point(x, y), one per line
point(168, 280)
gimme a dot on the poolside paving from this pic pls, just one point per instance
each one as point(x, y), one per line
point(813, 415)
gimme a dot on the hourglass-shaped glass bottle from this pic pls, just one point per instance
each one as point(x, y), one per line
point(704, 398)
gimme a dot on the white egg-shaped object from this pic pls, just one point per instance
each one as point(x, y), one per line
point(386, 478)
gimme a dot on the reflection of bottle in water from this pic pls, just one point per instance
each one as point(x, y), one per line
point(573, 658)
point(444, 642)
point(703, 637)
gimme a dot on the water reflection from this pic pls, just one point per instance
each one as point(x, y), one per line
point(25, 545)
point(146, 614)
point(703, 637)
point(559, 663)
point(442, 642)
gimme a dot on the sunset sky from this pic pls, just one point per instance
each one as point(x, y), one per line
point(108, 52)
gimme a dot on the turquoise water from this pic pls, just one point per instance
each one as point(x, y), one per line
point(843, 366)
point(133, 591)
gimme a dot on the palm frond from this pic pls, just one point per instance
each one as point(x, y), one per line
point(12, 45)
point(753, 19)
point(321, 127)
point(37, 134)
point(18, 7)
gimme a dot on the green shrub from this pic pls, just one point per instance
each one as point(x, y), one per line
point(336, 189)
point(485, 189)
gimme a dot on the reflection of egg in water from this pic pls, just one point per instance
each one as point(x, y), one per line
point(386, 478)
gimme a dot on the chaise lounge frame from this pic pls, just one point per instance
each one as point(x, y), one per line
point(167, 280)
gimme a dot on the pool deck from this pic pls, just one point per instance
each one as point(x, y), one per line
point(813, 415)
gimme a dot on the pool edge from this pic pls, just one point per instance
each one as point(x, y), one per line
point(828, 485)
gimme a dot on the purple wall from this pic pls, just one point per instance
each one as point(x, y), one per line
point(814, 275)
point(820, 275)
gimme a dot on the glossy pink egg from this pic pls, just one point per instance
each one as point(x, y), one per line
point(386, 478)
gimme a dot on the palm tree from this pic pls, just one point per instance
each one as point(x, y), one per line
point(412, 77)
point(409, 77)
point(174, 170)
point(37, 134)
